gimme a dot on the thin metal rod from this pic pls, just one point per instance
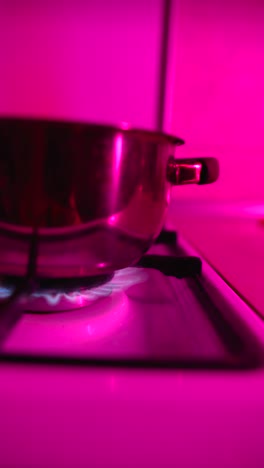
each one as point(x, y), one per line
point(10, 309)
point(163, 64)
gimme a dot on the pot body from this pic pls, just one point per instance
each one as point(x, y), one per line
point(96, 195)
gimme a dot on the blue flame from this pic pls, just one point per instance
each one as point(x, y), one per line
point(6, 291)
point(121, 281)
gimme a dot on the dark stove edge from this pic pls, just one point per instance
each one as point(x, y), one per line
point(248, 364)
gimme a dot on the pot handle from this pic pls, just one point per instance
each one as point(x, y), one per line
point(192, 171)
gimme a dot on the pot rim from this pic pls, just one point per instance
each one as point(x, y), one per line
point(123, 127)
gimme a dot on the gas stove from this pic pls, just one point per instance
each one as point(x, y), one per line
point(159, 365)
point(159, 313)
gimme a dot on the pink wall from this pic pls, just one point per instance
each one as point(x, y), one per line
point(82, 59)
point(99, 61)
point(216, 101)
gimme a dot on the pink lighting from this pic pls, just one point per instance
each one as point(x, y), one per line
point(125, 125)
point(215, 92)
point(118, 152)
point(80, 329)
point(112, 219)
point(99, 61)
point(80, 60)
point(101, 325)
point(101, 265)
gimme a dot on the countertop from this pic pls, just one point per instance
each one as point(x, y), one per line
point(232, 244)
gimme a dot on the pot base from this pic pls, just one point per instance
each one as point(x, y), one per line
point(92, 253)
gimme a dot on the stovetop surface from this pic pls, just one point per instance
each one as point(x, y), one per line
point(156, 314)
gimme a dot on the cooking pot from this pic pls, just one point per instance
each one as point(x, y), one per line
point(95, 195)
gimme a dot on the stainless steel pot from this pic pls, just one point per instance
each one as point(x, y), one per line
point(96, 195)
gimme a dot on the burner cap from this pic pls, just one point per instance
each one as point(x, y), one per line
point(52, 295)
point(68, 285)
point(60, 284)
point(58, 294)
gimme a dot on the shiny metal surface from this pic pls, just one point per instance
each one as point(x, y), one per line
point(180, 173)
point(96, 194)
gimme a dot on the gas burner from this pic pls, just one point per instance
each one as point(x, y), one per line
point(54, 295)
